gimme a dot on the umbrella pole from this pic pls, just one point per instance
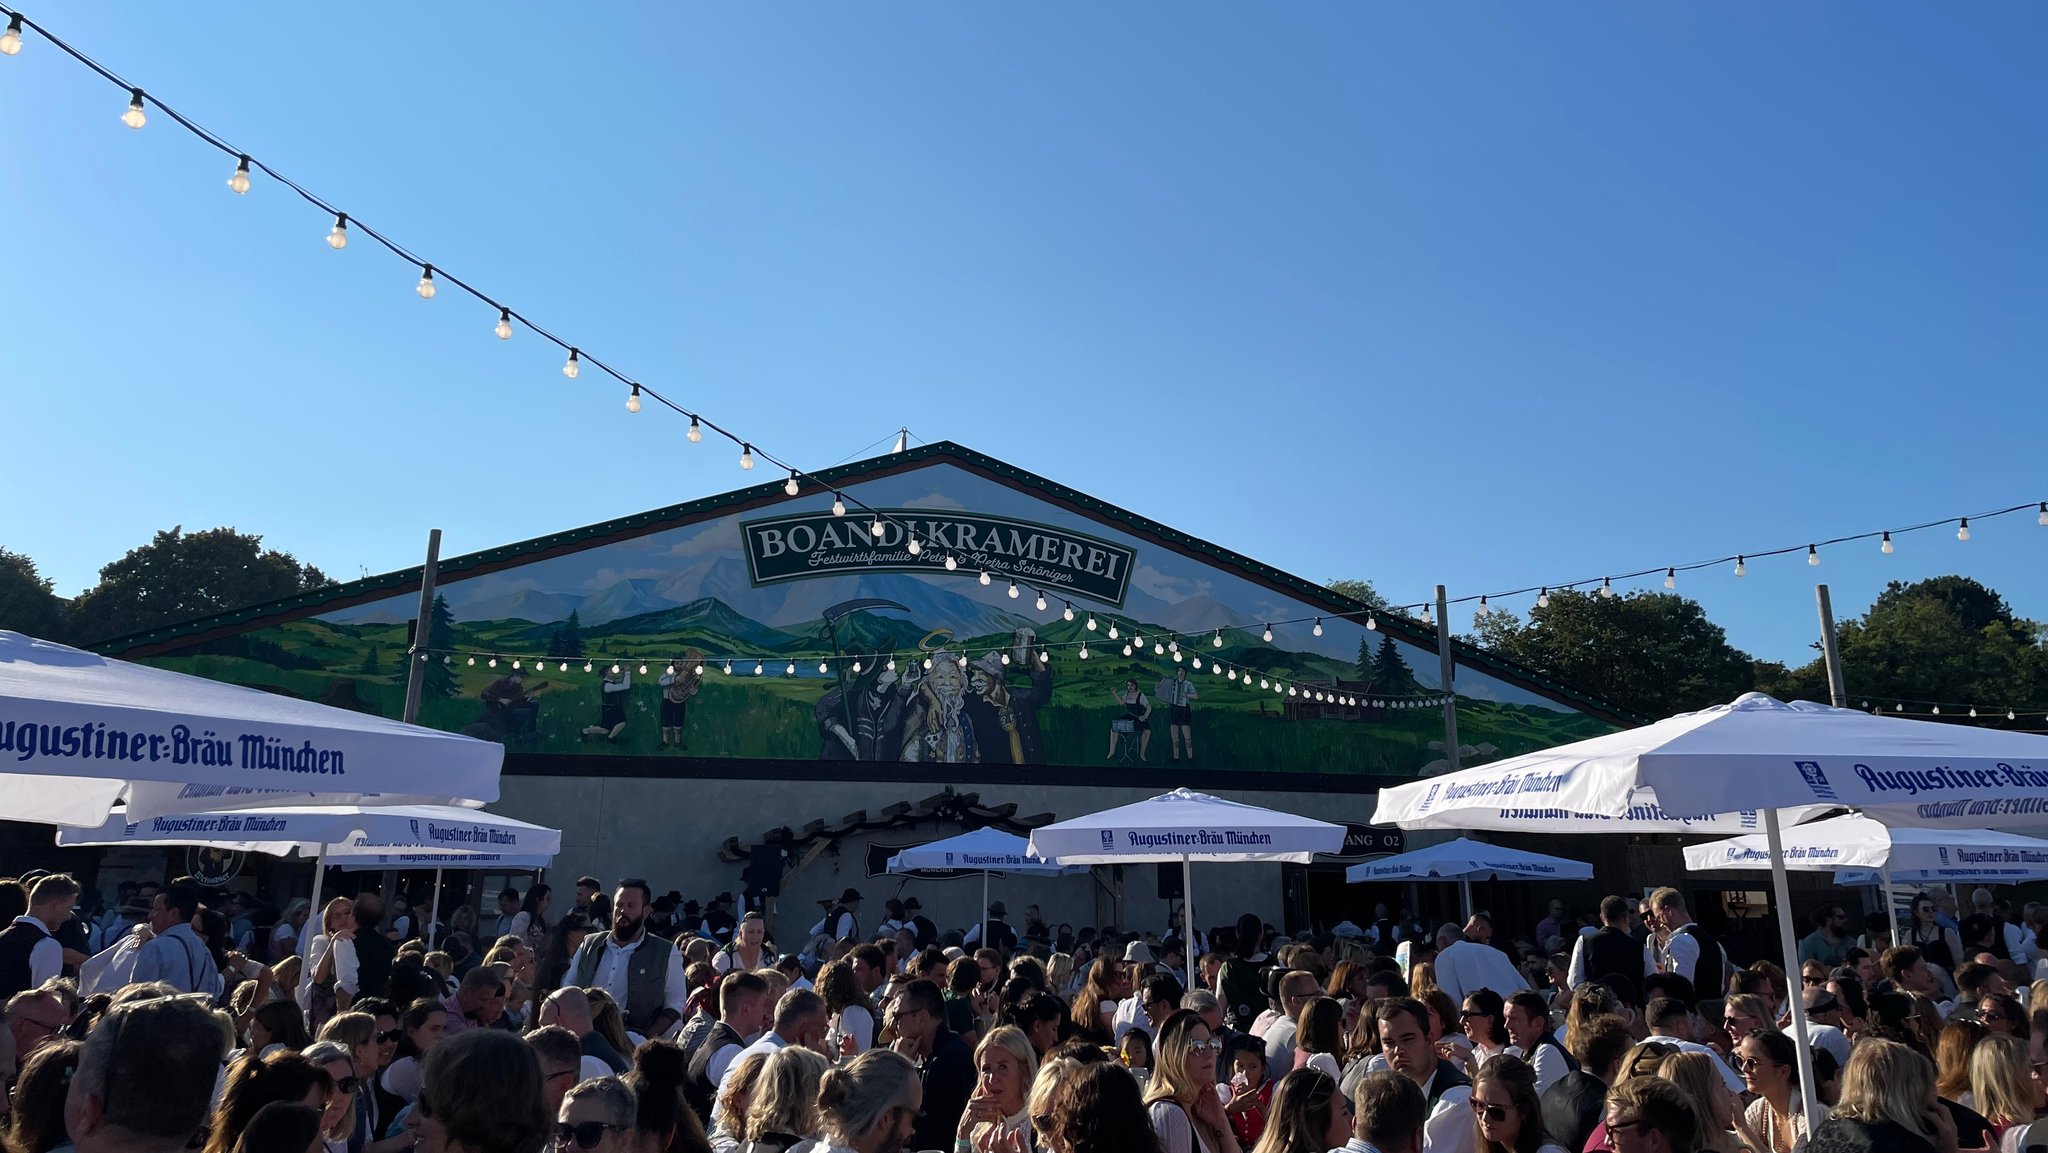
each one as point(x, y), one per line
point(315, 923)
point(1187, 901)
point(1465, 895)
point(1891, 905)
point(434, 918)
point(984, 908)
point(1782, 890)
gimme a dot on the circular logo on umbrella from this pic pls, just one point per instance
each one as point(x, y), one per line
point(212, 866)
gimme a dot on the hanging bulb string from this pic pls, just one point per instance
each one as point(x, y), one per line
point(584, 356)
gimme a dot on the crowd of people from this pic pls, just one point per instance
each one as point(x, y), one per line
point(636, 1024)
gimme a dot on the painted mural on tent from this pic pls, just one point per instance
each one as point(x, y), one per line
point(789, 632)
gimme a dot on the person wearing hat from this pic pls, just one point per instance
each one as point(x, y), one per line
point(718, 919)
point(893, 918)
point(927, 931)
point(841, 921)
point(1000, 934)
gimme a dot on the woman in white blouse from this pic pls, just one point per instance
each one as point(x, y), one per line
point(1186, 1112)
point(330, 962)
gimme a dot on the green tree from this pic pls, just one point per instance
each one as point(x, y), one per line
point(28, 605)
point(1358, 590)
point(1944, 639)
point(373, 662)
point(1368, 668)
point(440, 678)
point(568, 637)
point(1391, 673)
point(1653, 654)
point(180, 576)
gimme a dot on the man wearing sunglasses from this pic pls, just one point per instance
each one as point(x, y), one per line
point(1650, 1115)
point(596, 1117)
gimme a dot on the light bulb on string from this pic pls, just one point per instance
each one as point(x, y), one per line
point(1482, 610)
point(565, 667)
point(1425, 615)
point(1267, 636)
point(856, 668)
point(1172, 646)
point(1137, 640)
point(1158, 650)
point(891, 666)
point(1014, 594)
point(1217, 643)
point(790, 487)
point(515, 663)
point(1813, 556)
point(823, 667)
point(1044, 656)
point(877, 529)
point(643, 670)
point(503, 331)
point(1973, 712)
point(134, 117)
point(927, 663)
point(1083, 654)
point(1671, 578)
point(1543, 599)
point(1198, 664)
point(1262, 683)
point(471, 662)
point(573, 367)
point(1177, 657)
point(2043, 518)
point(1963, 532)
point(1606, 589)
point(952, 564)
point(1741, 569)
point(1127, 650)
point(838, 503)
point(789, 670)
point(492, 663)
point(2009, 715)
point(1006, 658)
point(1112, 630)
point(1885, 546)
point(586, 666)
point(10, 40)
point(1372, 624)
point(963, 660)
point(337, 237)
point(728, 668)
point(671, 670)
point(1233, 674)
point(983, 580)
point(1937, 710)
point(1318, 630)
point(615, 670)
point(700, 668)
point(426, 285)
point(913, 548)
point(633, 400)
point(1040, 602)
point(239, 182)
point(696, 433)
point(1068, 613)
point(747, 457)
point(1091, 622)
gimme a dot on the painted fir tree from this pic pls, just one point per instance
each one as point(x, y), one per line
point(1395, 678)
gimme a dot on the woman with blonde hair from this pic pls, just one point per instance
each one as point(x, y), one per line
point(1887, 1104)
point(1181, 1096)
point(327, 981)
point(1722, 1128)
point(998, 1110)
point(2002, 1083)
point(783, 1109)
point(729, 1110)
point(1059, 973)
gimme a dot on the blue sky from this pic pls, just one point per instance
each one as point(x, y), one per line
point(1490, 296)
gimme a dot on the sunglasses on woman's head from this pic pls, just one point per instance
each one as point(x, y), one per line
point(584, 1136)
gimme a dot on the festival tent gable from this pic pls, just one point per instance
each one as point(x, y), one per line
point(1466, 861)
point(1186, 826)
point(1758, 753)
point(987, 849)
point(79, 731)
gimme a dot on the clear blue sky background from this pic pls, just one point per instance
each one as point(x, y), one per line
point(1488, 295)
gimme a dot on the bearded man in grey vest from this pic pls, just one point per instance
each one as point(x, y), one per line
point(642, 972)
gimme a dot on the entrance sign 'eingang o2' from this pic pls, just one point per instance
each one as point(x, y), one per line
point(817, 544)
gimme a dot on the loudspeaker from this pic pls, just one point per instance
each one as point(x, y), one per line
point(764, 871)
point(1169, 881)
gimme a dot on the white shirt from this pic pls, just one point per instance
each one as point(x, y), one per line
point(110, 968)
point(1679, 953)
point(615, 965)
point(2017, 944)
point(1176, 1133)
point(1450, 1128)
point(344, 967)
point(723, 961)
point(852, 1021)
point(1729, 1076)
point(1129, 1015)
point(1280, 1048)
point(722, 1062)
point(1548, 1062)
point(769, 1043)
point(46, 960)
point(1468, 966)
point(841, 929)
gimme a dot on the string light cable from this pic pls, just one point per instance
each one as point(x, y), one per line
point(974, 565)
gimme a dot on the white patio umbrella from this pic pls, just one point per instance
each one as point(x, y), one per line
point(458, 837)
point(987, 849)
point(1856, 841)
point(1466, 861)
point(78, 731)
point(1186, 826)
point(1757, 753)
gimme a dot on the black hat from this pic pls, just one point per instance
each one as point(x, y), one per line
point(997, 910)
point(692, 908)
point(722, 899)
point(892, 906)
point(913, 905)
point(849, 895)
